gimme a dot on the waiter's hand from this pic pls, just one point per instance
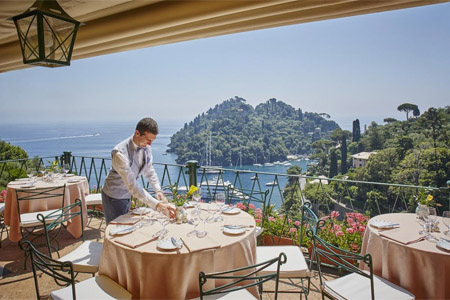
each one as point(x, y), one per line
point(166, 209)
point(160, 196)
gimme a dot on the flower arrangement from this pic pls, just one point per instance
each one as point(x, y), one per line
point(424, 199)
point(181, 199)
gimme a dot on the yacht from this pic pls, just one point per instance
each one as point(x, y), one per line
point(272, 183)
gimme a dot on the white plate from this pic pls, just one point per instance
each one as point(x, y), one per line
point(121, 229)
point(166, 245)
point(69, 175)
point(381, 223)
point(233, 230)
point(443, 245)
point(15, 182)
point(145, 210)
point(230, 211)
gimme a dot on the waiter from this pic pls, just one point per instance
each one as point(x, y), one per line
point(130, 159)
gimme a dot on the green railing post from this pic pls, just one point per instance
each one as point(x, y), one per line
point(192, 166)
point(67, 155)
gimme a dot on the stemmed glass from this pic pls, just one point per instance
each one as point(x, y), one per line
point(446, 221)
point(31, 174)
point(424, 219)
point(163, 220)
point(203, 216)
point(212, 209)
point(66, 169)
point(194, 220)
point(220, 203)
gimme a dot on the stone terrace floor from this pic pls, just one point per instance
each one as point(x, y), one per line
point(17, 283)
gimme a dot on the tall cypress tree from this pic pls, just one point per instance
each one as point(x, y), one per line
point(333, 163)
point(356, 132)
point(344, 168)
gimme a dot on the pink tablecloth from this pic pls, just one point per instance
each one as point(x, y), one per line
point(150, 273)
point(420, 267)
point(73, 191)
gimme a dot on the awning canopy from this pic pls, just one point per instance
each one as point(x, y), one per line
point(120, 25)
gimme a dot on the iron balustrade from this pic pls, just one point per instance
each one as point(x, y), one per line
point(326, 194)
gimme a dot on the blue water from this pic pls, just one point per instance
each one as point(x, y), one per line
point(97, 140)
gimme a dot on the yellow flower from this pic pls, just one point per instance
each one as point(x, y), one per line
point(429, 198)
point(192, 190)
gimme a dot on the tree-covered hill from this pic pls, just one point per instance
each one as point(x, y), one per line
point(241, 134)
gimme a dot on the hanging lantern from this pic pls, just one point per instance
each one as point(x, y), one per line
point(46, 34)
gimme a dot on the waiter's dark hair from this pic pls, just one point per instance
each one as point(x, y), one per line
point(147, 125)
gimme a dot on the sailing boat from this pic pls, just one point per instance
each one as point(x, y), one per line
point(256, 162)
point(210, 169)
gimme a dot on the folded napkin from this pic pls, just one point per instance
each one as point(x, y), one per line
point(194, 244)
point(136, 239)
point(238, 220)
point(127, 219)
point(405, 237)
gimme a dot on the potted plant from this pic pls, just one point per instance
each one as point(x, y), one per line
point(179, 200)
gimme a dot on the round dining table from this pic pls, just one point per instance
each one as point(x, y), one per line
point(144, 265)
point(406, 258)
point(76, 187)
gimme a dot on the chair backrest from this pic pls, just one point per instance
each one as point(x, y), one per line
point(60, 217)
point(251, 197)
point(24, 196)
point(345, 260)
point(61, 272)
point(309, 220)
point(242, 278)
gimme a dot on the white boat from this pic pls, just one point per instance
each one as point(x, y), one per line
point(268, 165)
point(253, 178)
point(258, 165)
point(272, 183)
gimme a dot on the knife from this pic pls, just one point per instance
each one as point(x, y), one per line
point(177, 244)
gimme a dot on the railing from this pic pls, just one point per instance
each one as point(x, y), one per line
point(326, 194)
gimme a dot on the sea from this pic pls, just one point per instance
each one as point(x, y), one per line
point(96, 139)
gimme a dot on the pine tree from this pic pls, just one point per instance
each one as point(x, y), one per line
point(356, 132)
point(333, 163)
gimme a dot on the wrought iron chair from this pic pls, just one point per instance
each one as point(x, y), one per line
point(239, 280)
point(93, 200)
point(28, 222)
point(2, 224)
point(86, 257)
point(297, 266)
point(99, 287)
point(358, 284)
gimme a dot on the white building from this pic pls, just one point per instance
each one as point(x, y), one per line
point(360, 159)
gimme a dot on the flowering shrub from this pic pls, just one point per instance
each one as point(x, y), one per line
point(2, 196)
point(348, 233)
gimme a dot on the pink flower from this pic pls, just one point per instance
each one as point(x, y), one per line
point(354, 225)
point(251, 206)
point(259, 216)
point(292, 230)
point(258, 220)
point(258, 211)
point(272, 219)
point(362, 228)
point(340, 233)
point(94, 187)
point(359, 217)
point(337, 227)
point(334, 214)
point(289, 221)
point(241, 206)
point(350, 220)
point(350, 230)
point(297, 223)
point(354, 246)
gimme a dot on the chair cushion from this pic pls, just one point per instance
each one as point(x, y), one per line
point(2, 207)
point(86, 257)
point(99, 287)
point(354, 286)
point(295, 265)
point(31, 220)
point(93, 199)
point(239, 294)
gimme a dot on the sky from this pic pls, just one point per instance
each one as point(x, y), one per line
point(357, 67)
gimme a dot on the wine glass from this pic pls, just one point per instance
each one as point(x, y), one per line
point(220, 202)
point(203, 216)
point(163, 220)
point(212, 209)
point(194, 220)
point(446, 221)
point(31, 174)
point(141, 210)
point(196, 198)
point(424, 213)
point(66, 169)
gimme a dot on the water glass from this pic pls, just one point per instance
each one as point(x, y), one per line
point(446, 221)
point(220, 203)
point(203, 216)
point(163, 220)
point(194, 220)
point(212, 209)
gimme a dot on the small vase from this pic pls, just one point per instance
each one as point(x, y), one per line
point(421, 211)
point(180, 214)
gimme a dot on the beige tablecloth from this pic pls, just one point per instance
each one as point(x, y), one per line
point(73, 191)
point(150, 273)
point(420, 267)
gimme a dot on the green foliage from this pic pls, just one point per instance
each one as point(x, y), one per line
point(8, 151)
point(407, 108)
point(240, 133)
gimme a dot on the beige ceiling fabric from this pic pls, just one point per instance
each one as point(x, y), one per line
point(121, 25)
